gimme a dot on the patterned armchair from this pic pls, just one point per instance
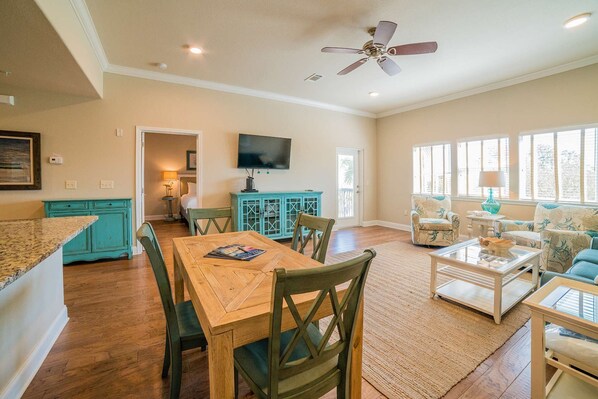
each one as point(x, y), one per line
point(560, 230)
point(432, 222)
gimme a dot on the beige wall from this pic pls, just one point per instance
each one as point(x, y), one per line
point(566, 99)
point(164, 152)
point(82, 130)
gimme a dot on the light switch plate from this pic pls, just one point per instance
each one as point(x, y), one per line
point(106, 183)
point(70, 184)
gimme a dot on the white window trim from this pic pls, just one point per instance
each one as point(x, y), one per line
point(450, 188)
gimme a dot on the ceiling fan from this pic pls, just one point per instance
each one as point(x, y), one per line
point(376, 49)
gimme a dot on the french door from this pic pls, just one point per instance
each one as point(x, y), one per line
point(348, 191)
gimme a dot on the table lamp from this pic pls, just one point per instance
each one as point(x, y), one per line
point(170, 176)
point(491, 179)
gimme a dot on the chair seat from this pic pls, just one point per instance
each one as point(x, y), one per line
point(587, 255)
point(435, 224)
point(584, 269)
point(253, 359)
point(191, 332)
point(524, 238)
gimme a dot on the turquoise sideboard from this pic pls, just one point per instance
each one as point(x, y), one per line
point(273, 214)
point(109, 237)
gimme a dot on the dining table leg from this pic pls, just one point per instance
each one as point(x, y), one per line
point(221, 366)
point(179, 284)
point(356, 355)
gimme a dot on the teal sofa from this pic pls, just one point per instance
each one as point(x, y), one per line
point(584, 268)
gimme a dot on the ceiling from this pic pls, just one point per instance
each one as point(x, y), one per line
point(267, 48)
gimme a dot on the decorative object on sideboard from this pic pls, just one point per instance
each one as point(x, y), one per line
point(249, 182)
point(20, 161)
point(170, 177)
point(191, 160)
point(491, 179)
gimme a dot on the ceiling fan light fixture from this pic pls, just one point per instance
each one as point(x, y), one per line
point(577, 20)
point(374, 94)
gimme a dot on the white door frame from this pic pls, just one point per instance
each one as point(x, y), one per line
point(360, 195)
point(139, 169)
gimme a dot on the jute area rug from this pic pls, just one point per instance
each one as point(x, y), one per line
point(415, 346)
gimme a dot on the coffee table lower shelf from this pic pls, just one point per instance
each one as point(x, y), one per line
point(482, 299)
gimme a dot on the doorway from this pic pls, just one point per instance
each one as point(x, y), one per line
point(348, 190)
point(141, 163)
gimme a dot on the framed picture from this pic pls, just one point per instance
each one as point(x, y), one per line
point(20, 161)
point(191, 160)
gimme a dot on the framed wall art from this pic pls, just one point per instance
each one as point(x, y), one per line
point(191, 160)
point(20, 161)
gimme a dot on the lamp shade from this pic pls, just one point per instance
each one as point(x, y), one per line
point(169, 175)
point(492, 179)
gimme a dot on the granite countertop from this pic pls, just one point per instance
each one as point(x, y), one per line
point(25, 243)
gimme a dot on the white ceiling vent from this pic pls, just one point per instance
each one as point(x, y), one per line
point(314, 77)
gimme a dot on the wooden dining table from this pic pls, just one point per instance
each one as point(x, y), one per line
point(232, 300)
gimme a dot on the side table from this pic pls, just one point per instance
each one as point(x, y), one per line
point(169, 199)
point(483, 225)
point(570, 308)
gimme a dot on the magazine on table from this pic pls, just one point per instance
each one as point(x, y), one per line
point(235, 251)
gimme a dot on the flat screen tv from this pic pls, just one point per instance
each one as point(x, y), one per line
point(263, 152)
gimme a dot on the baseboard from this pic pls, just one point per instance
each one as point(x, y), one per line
point(19, 383)
point(154, 217)
point(384, 223)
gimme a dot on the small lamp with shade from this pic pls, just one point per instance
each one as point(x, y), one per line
point(491, 179)
point(170, 177)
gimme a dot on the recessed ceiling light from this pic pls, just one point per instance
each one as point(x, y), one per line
point(195, 50)
point(374, 94)
point(577, 20)
point(162, 66)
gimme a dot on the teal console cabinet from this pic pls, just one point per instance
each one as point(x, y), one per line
point(273, 214)
point(109, 237)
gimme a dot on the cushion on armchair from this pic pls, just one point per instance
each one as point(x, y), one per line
point(435, 224)
point(524, 238)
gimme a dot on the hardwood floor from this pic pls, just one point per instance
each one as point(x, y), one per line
point(113, 345)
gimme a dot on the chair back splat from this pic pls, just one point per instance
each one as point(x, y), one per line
point(314, 229)
point(304, 362)
point(214, 216)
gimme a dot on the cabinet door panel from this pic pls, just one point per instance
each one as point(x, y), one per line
point(272, 223)
point(292, 208)
point(250, 215)
point(81, 244)
point(311, 205)
point(110, 232)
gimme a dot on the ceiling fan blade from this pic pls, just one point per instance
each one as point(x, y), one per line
point(413, 48)
point(342, 50)
point(384, 32)
point(389, 66)
point(353, 66)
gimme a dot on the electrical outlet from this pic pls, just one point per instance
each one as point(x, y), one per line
point(106, 183)
point(119, 132)
point(70, 184)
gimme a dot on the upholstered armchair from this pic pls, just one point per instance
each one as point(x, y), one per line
point(432, 222)
point(560, 230)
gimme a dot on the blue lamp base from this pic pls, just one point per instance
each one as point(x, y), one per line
point(491, 205)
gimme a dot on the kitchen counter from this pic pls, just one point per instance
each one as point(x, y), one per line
point(25, 243)
point(32, 309)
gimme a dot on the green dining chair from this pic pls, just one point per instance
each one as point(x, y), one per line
point(214, 216)
point(183, 330)
point(303, 362)
point(315, 229)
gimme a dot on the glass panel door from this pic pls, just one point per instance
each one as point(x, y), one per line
point(347, 178)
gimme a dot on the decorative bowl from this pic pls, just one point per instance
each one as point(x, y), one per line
point(496, 244)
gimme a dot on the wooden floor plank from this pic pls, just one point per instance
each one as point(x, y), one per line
point(113, 345)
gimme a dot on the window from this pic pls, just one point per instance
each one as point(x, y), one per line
point(481, 155)
point(559, 166)
point(432, 169)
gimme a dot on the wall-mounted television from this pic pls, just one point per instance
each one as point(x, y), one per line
point(263, 152)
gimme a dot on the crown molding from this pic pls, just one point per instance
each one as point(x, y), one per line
point(494, 86)
point(84, 16)
point(205, 84)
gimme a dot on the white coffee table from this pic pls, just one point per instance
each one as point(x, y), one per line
point(488, 283)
